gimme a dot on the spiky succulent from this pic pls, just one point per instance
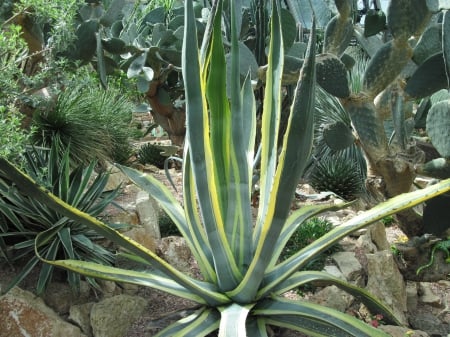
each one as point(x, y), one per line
point(151, 154)
point(339, 176)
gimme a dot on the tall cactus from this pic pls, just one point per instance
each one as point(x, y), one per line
point(388, 91)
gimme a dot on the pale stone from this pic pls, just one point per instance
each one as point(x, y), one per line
point(175, 251)
point(411, 295)
point(366, 244)
point(148, 212)
point(427, 296)
point(334, 271)
point(333, 297)
point(349, 265)
point(378, 235)
point(113, 316)
point(59, 296)
point(80, 314)
point(143, 237)
point(116, 178)
point(23, 314)
point(109, 288)
point(386, 282)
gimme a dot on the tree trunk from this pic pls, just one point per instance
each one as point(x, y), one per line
point(170, 117)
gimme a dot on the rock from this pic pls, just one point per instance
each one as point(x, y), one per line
point(116, 178)
point(365, 243)
point(24, 314)
point(333, 297)
point(80, 314)
point(377, 233)
point(334, 271)
point(109, 288)
point(59, 296)
point(175, 251)
point(427, 321)
point(141, 235)
point(113, 316)
point(386, 282)
point(349, 265)
point(411, 295)
point(148, 212)
point(398, 331)
point(427, 296)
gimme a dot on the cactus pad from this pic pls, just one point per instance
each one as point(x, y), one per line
point(438, 127)
point(429, 43)
point(332, 75)
point(407, 17)
point(338, 136)
point(385, 66)
point(338, 34)
point(369, 128)
point(428, 78)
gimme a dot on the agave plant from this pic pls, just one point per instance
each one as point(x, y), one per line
point(23, 218)
point(243, 282)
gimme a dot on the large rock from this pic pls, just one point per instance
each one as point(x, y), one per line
point(175, 250)
point(385, 282)
point(59, 296)
point(350, 267)
point(22, 314)
point(80, 314)
point(113, 316)
point(148, 212)
point(333, 297)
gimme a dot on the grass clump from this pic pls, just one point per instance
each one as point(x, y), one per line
point(96, 123)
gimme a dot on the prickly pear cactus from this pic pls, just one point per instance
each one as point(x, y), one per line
point(332, 75)
point(338, 136)
point(438, 127)
point(385, 66)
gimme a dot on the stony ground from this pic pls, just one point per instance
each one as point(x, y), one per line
point(163, 308)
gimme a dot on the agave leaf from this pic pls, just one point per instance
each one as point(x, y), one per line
point(200, 323)
point(201, 247)
point(201, 156)
point(290, 168)
point(238, 204)
point(313, 319)
point(270, 121)
point(323, 279)
point(146, 279)
point(282, 271)
point(190, 231)
point(232, 320)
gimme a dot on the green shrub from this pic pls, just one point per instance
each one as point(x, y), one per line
point(13, 138)
point(306, 234)
point(95, 122)
point(25, 220)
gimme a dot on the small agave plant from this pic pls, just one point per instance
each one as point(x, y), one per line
point(243, 282)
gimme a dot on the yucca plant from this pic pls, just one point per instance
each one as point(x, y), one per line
point(243, 282)
point(23, 218)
